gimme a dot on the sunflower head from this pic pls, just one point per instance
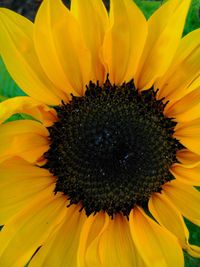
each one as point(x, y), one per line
point(105, 172)
point(114, 146)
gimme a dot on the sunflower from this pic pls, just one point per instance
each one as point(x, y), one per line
point(103, 170)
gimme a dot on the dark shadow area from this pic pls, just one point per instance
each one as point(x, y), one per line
point(28, 8)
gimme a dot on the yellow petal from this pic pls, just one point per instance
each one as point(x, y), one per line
point(60, 249)
point(168, 216)
point(27, 105)
point(24, 138)
point(124, 41)
point(88, 251)
point(19, 183)
point(116, 247)
point(194, 84)
point(189, 134)
point(65, 41)
point(176, 82)
point(93, 19)
point(45, 44)
point(18, 53)
point(187, 108)
point(158, 247)
point(194, 251)
point(30, 228)
point(187, 157)
point(187, 174)
point(165, 28)
point(185, 198)
point(106, 242)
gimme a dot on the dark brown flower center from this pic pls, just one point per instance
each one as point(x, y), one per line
point(111, 148)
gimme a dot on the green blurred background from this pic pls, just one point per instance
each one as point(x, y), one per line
point(8, 88)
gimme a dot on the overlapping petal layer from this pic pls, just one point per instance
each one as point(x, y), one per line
point(61, 247)
point(24, 138)
point(183, 71)
point(88, 251)
point(165, 28)
point(187, 174)
point(61, 48)
point(18, 52)
point(27, 105)
point(38, 219)
point(124, 35)
point(93, 29)
point(169, 216)
point(21, 182)
point(158, 247)
point(189, 134)
point(187, 108)
point(185, 198)
point(187, 157)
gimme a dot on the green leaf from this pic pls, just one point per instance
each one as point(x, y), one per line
point(194, 233)
point(20, 116)
point(195, 240)
point(148, 7)
point(190, 261)
point(193, 18)
point(8, 88)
